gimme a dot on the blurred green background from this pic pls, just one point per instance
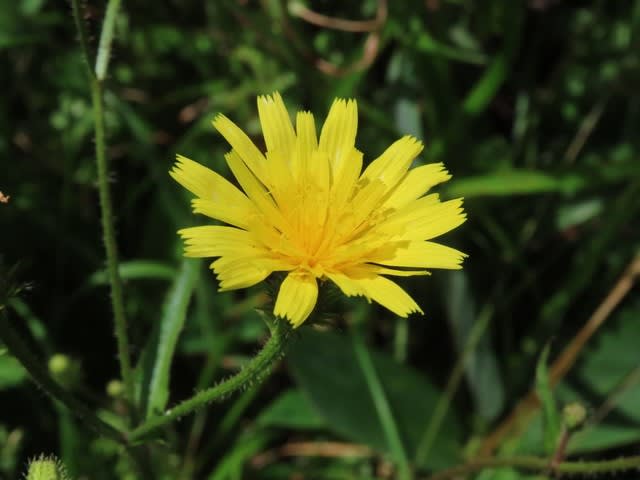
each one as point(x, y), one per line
point(533, 106)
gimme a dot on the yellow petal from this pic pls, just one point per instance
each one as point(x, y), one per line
point(390, 295)
point(345, 179)
point(422, 255)
point(368, 200)
point(242, 144)
point(243, 271)
point(424, 219)
point(338, 135)
point(276, 124)
point(243, 275)
point(307, 140)
point(306, 144)
point(348, 285)
point(297, 297)
point(392, 165)
point(398, 273)
point(216, 241)
point(239, 215)
point(255, 190)
point(416, 183)
point(379, 289)
point(205, 183)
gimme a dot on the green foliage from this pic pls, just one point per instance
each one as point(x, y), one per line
point(550, 414)
point(534, 108)
point(326, 367)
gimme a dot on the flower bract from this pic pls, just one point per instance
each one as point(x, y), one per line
point(306, 207)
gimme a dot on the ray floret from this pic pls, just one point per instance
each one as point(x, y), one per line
point(306, 207)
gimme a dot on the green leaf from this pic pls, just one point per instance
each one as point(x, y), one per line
point(604, 437)
point(11, 372)
point(611, 373)
point(551, 415)
point(481, 368)
point(326, 368)
point(245, 447)
point(171, 324)
point(576, 213)
point(512, 182)
point(136, 270)
point(484, 90)
point(292, 409)
point(609, 378)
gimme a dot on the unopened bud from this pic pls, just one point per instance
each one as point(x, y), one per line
point(115, 388)
point(574, 415)
point(46, 468)
point(65, 370)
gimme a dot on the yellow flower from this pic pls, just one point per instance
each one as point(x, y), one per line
point(308, 209)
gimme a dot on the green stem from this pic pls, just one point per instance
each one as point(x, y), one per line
point(383, 409)
point(109, 239)
point(255, 371)
point(442, 407)
point(106, 38)
point(40, 376)
point(538, 464)
point(108, 230)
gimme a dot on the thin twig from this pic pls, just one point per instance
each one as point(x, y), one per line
point(333, 23)
point(370, 48)
point(631, 379)
point(311, 449)
point(584, 131)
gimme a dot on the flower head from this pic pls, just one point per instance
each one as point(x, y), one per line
point(307, 208)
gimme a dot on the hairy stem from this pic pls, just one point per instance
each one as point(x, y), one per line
point(256, 370)
point(538, 464)
point(109, 239)
point(108, 230)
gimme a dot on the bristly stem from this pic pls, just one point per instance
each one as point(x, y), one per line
point(40, 376)
point(109, 239)
point(108, 230)
point(256, 370)
point(537, 464)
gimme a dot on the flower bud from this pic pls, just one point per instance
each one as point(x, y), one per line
point(65, 370)
point(574, 415)
point(115, 388)
point(46, 468)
